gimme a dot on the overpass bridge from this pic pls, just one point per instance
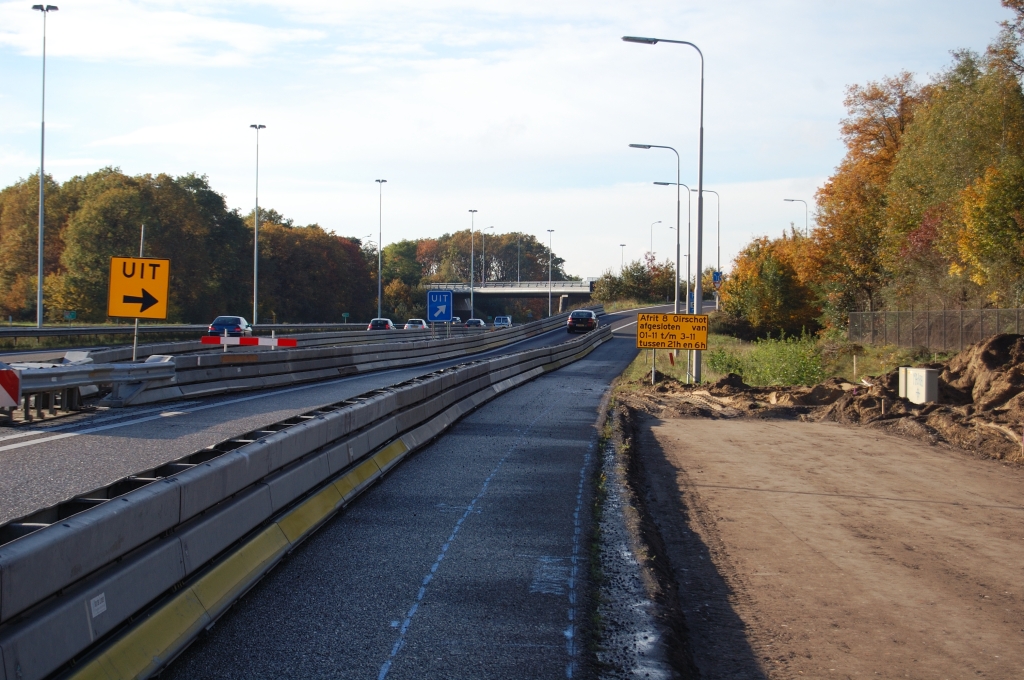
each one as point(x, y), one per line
point(564, 292)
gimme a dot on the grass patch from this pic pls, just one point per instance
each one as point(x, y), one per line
point(619, 305)
point(805, 360)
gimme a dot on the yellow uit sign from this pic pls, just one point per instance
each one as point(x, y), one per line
point(672, 331)
point(138, 287)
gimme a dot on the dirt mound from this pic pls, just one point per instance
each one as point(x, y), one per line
point(987, 375)
point(980, 409)
point(730, 383)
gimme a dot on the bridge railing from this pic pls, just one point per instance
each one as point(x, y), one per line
point(582, 286)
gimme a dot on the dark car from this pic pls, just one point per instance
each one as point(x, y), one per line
point(582, 320)
point(235, 326)
point(475, 323)
point(380, 325)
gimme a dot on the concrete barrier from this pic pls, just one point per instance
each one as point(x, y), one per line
point(262, 492)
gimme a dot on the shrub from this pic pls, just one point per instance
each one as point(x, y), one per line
point(784, 361)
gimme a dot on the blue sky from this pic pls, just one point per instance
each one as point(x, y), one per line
point(522, 110)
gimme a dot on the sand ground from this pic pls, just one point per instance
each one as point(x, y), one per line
point(815, 550)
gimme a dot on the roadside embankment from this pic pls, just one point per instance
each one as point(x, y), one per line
point(810, 549)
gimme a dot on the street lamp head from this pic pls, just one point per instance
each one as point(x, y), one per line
point(46, 8)
point(622, 245)
point(380, 181)
point(665, 184)
point(258, 127)
point(473, 211)
point(642, 41)
point(640, 146)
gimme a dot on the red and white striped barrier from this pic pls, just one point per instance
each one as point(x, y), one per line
point(273, 342)
point(10, 386)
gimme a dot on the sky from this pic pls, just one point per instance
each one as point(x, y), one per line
point(522, 110)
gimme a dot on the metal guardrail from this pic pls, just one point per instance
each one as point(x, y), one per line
point(580, 286)
point(940, 330)
point(125, 576)
point(58, 331)
point(216, 372)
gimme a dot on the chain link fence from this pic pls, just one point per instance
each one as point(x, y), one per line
point(939, 330)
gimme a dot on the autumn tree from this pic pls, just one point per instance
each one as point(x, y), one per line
point(844, 259)
point(765, 290)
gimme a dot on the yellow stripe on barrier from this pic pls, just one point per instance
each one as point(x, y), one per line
point(150, 643)
point(345, 485)
point(313, 511)
point(387, 456)
point(364, 472)
point(217, 588)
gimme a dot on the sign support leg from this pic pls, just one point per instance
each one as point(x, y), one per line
point(654, 362)
point(135, 341)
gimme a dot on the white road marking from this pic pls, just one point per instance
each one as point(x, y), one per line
point(98, 419)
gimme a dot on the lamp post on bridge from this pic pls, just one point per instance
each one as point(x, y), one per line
point(550, 231)
point(380, 244)
point(483, 254)
point(472, 257)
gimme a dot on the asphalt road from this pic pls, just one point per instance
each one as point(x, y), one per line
point(65, 459)
point(469, 560)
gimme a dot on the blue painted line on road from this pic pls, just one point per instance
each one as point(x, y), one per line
point(400, 642)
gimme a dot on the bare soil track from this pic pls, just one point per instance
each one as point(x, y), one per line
point(819, 550)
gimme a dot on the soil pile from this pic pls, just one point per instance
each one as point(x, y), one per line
point(980, 409)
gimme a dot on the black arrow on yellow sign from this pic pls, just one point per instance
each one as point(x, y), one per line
point(146, 300)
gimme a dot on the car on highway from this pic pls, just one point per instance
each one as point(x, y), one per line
point(503, 322)
point(582, 320)
point(381, 325)
point(415, 324)
point(475, 323)
point(235, 326)
point(456, 320)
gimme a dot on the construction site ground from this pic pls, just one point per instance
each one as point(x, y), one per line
point(803, 547)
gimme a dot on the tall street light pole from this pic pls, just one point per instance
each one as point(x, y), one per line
point(519, 238)
point(380, 245)
point(256, 229)
point(472, 258)
point(622, 258)
point(718, 231)
point(807, 229)
point(698, 292)
point(550, 231)
point(483, 254)
point(656, 146)
point(45, 9)
point(678, 184)
point(652, 236)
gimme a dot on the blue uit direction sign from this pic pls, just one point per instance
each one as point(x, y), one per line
point(439, 306)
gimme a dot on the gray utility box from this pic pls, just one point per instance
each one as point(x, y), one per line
point(919, 385)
